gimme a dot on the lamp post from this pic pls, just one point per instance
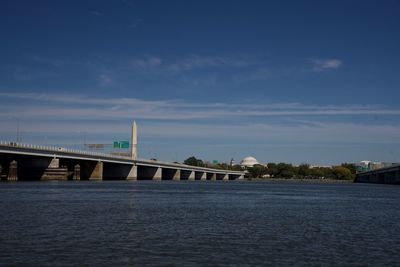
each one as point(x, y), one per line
point(18, 135)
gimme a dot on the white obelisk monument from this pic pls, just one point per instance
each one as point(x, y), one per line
point(134, 141)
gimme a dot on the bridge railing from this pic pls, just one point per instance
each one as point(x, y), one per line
point(60, 150)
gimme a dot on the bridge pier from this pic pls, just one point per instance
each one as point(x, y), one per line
point(13, 171)
point(157, 175)
point(198, 175)
point(150, 173)
point(211, 176)
point(187, 175)
point(192, 176)
point(170, 174)
point(97, 172)
point(220, 176)
point(54, 172)
point(132, 175)
point(177, 175)
point(77, 172)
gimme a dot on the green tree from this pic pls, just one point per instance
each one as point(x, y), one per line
point(193, 161)
point(350, 166)
point(304, 170)
point(272, 169)
point(342, 173)
point(257, 171)
point(285, 170)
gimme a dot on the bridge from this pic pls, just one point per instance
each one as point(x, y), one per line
point(387, 175)
point(20, 161)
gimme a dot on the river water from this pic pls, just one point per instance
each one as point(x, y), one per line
point(204, 223)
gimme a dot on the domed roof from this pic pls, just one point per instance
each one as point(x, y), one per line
point(249, 162)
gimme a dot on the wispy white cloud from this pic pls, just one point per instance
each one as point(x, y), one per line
point(49, 118)
point(326, 64)
point(105, 79)
point(79, 106)
point(193, 62)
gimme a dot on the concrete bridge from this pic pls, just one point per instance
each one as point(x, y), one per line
point(31, 162)
point(388, 175)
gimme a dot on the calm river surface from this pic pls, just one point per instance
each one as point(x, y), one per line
point(168, 223)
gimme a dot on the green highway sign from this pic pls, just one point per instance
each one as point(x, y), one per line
point(121, 144)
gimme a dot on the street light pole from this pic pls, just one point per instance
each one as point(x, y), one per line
point(18, 137)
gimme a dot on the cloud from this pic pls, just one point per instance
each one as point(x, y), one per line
point(193, 62)
point(55, 118)
point(105, 80)
point(199, 62)
point(145, 63)
point(326, 64)
point(70, 107)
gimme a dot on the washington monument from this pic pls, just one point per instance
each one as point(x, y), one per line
point(134, 141)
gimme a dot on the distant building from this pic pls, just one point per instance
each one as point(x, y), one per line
point(367, 165)
point(248, 162)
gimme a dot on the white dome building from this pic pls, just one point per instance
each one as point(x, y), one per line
point(248, 162)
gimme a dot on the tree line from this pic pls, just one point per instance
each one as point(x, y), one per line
point(345, 171)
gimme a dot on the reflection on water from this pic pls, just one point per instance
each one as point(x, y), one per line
point(198, 224)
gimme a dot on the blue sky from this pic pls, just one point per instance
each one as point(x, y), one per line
point(293, 81)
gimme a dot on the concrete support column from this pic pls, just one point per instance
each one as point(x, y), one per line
point(213, 177)
point(157, 174)
point(241, 177)
point(54, 172)
point(132, 175)
point(13, 171)
point(177, 175)
point(191, 176)
point(97, 173)
point(77, 172)
point(200, 175)
point(54, 163)
point(226, 177)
